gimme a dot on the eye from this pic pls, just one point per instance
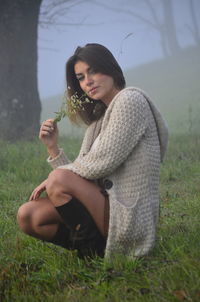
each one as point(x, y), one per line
point(80, 78)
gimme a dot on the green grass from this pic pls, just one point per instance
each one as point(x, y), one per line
point(31, 270)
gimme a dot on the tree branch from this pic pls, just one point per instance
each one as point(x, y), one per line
point(153, 12)
point(195, 29)
point(128, 12)
point(52, 14)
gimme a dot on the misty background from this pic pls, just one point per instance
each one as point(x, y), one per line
point(156, 42)
point(131, 39)
point(127, 29)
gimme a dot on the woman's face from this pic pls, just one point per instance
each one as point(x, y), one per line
point(96, 85)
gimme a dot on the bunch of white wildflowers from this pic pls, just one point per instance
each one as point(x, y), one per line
point(74, 105)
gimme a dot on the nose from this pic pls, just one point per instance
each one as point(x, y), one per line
point(89, 80)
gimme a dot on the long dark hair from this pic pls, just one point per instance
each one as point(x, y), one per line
point(100, 59)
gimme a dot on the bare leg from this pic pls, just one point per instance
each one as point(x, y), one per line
point(63, 184)
point(40, 219)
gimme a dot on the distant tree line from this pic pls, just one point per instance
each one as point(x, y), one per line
point(159, 16)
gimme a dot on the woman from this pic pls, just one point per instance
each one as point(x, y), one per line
point(107, 200)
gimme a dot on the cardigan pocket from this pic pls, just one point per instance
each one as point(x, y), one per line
point(125, 201)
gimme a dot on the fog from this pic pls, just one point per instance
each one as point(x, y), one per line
point(122, 26)
point(157, 46)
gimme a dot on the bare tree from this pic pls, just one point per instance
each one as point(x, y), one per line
point(169, 27)
point(156, 15)
point(54, 13)
point(194, 28)
point(20, 105)
point(19, 99)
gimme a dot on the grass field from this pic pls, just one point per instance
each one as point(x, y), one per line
point(31, 270)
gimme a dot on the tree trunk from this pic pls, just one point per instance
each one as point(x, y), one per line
point(195, 28)
point(19, 99)
point(170, 28)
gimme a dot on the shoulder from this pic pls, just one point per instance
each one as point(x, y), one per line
point(130, 97)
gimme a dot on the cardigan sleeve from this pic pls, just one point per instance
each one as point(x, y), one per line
point(60, 159)
point(126, 125)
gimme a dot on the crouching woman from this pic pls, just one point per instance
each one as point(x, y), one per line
point(106, 201)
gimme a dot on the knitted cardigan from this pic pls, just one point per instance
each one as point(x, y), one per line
point(132, 142)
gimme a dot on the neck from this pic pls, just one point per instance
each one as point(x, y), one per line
point(111, 96)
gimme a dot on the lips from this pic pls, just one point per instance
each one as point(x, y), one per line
point(93, 90)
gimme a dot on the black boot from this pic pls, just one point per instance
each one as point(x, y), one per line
point(62, 236)
point(82, 233)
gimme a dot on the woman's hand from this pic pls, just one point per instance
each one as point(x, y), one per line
point(49, 136)
point(38, 190)
point(49, 133)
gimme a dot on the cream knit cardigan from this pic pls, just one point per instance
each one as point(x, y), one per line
point(132, 142)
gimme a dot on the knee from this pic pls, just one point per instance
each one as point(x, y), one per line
point(59, 182)
point(24, 218)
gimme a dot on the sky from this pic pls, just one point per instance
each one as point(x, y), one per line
point(132, 43)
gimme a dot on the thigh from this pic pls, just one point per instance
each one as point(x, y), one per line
point(84, 190)
point(40, 212)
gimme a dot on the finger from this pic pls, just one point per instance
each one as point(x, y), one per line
point(31, 197)
point(39, 192)
point(47, 125)
point(49, 122)
point(48, 128)
point(35, 195)
point(44, 133)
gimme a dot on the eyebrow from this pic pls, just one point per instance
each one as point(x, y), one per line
point(80, 73)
